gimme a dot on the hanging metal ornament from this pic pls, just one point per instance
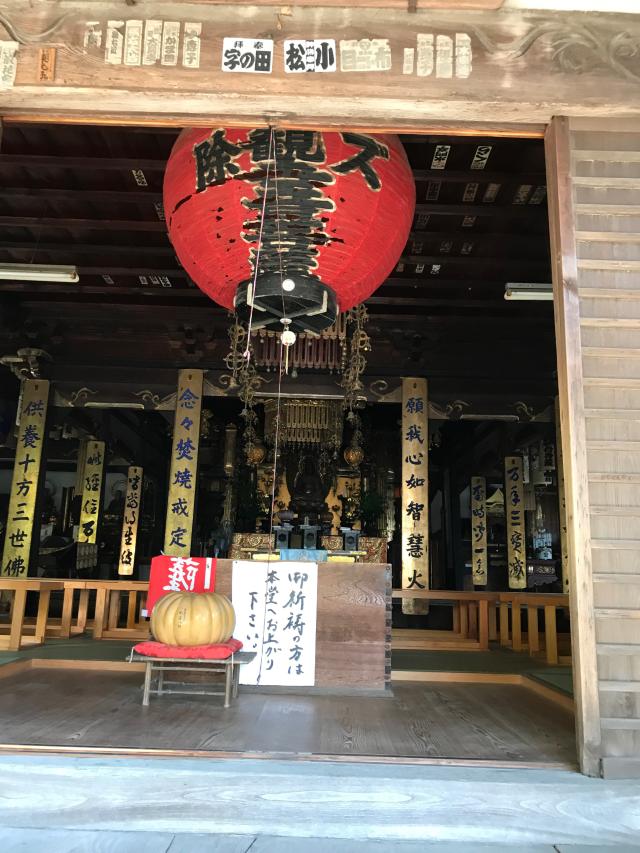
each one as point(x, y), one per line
point(354, 454)
point(248, 384)
point(237, 346)
point(359, 344)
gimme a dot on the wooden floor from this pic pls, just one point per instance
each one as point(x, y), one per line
point(75, 708)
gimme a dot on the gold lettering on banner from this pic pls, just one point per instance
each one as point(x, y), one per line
point(562, 505)
point(415, 492)
point(91, 493)
point(516, 531)
point(479, 531)
point(184, 465)
point(130, 519)
point(26, 473)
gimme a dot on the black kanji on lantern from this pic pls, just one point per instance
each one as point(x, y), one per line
point(361, 160)
point(214, 160)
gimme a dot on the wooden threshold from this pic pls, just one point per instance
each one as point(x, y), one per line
point(129, 752)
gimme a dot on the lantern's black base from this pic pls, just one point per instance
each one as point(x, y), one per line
point(311, 306)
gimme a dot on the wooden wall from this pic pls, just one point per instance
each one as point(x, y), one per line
point(595, 225)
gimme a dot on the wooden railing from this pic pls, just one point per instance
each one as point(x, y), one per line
point(20, 633)
point(474, 614)
point(550, 603)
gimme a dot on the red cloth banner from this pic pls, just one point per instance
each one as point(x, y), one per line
point(179, 574)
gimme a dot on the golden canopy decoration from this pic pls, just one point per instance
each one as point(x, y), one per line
point(305, 422)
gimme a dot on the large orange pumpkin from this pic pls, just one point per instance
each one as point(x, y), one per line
point(193, 619)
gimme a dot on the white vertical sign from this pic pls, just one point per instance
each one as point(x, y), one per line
point(276, 606)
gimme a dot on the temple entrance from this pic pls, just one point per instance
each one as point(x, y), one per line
point(408, 449)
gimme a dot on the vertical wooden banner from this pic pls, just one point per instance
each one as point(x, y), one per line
point(184, 465)
point(91, 493)
point(26, 473)
point(130, 520)
point(516, 531)
point(479, 531)
point(562, 506)
point(415, 492)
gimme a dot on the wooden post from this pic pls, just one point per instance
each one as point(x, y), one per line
point(184, 465)
point(533, 640)
point(562, 223)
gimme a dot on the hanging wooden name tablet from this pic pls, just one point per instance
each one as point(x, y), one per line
point(516, 530)
point(415, 492)
point(24, 483)
point(479, 530)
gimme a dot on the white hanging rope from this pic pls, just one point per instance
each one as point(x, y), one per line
point(247, 352)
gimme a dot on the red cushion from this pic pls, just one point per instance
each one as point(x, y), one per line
point(215, 651)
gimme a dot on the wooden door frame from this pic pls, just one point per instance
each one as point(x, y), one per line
point(570, 387)
point(564, 268)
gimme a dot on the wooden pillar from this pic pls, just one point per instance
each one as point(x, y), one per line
point(32, 415)
point(184, 464)
point(560, 144)
point(130, 519)
point(415, 492)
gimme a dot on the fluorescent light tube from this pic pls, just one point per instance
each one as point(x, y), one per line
point(36, 272)
point(528, 292)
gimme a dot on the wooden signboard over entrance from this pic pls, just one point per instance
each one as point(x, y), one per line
point(377, 71)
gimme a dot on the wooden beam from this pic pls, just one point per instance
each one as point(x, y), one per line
point(93, 195)
point(479, 176)
point(82, 224)
point(515, 64)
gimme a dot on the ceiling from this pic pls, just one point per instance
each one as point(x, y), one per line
point(92, 196)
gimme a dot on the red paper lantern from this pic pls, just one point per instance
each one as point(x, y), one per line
point(335, 221)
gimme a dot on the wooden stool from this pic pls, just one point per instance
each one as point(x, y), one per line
point(230, 666)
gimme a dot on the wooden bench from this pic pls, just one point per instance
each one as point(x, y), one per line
point(474, 616)
point(230, 666)
point(18, 589)
point(548, 602)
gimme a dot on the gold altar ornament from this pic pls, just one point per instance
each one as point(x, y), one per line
point(516, 531)
point(415, 492)
point(304, 422)
point(26, 473)
point(479, 531)
point(91, 493)
point(184, 464)
point(130, 519)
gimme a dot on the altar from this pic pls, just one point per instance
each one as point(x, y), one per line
point(371, 549)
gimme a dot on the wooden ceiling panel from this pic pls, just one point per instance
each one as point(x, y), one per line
point(92, 196)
